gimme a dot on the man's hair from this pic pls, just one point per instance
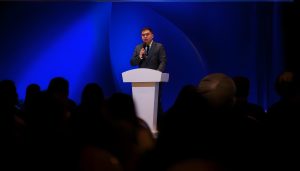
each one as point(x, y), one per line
point(147, 28)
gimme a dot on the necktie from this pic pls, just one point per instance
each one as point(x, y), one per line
point(147, 50)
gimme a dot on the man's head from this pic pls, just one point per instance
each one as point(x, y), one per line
point(287, 85)
point(219, 89)
point(147, 35)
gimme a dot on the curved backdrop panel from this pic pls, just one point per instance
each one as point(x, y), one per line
point(93, 42)
point(184, 63)
point(202, 38)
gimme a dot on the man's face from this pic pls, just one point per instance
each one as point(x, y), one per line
point(147, 36)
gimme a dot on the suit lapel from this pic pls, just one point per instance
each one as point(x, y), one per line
point(151, 49)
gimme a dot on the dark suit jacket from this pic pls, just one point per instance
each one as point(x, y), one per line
point(156, 58)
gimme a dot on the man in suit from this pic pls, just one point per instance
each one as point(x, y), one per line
point(149, 54)
point(152, 55)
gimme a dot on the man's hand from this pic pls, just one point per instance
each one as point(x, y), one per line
point(142, 52)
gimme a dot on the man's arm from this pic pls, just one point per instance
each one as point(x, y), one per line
point(162, 59)
point(135, 59)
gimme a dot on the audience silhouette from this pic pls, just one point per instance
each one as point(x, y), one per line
point(210, 127)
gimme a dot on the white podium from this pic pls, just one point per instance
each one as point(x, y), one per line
point(145, 90)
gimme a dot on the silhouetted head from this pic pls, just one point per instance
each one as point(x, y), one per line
point(59, 86)
point(92, 94)
point(189, 99)
point(8, 93)
point(219, 89)
point(121, 107)
point(32, 89)
point(287, 85)
point(188, 110)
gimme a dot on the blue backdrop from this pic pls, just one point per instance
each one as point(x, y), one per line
point(93, 42)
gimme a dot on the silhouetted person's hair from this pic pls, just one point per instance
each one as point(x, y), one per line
point(122, 107)
point(32, 89)
point(92, 95)
point(189, 100)
point(287, 88)
point(8, 93)
point(8, 100)
point(243, 108)
point(59, 85)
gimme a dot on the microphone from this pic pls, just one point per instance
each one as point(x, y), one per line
point(146, 47)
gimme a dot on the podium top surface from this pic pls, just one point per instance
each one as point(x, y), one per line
point(144, 75)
